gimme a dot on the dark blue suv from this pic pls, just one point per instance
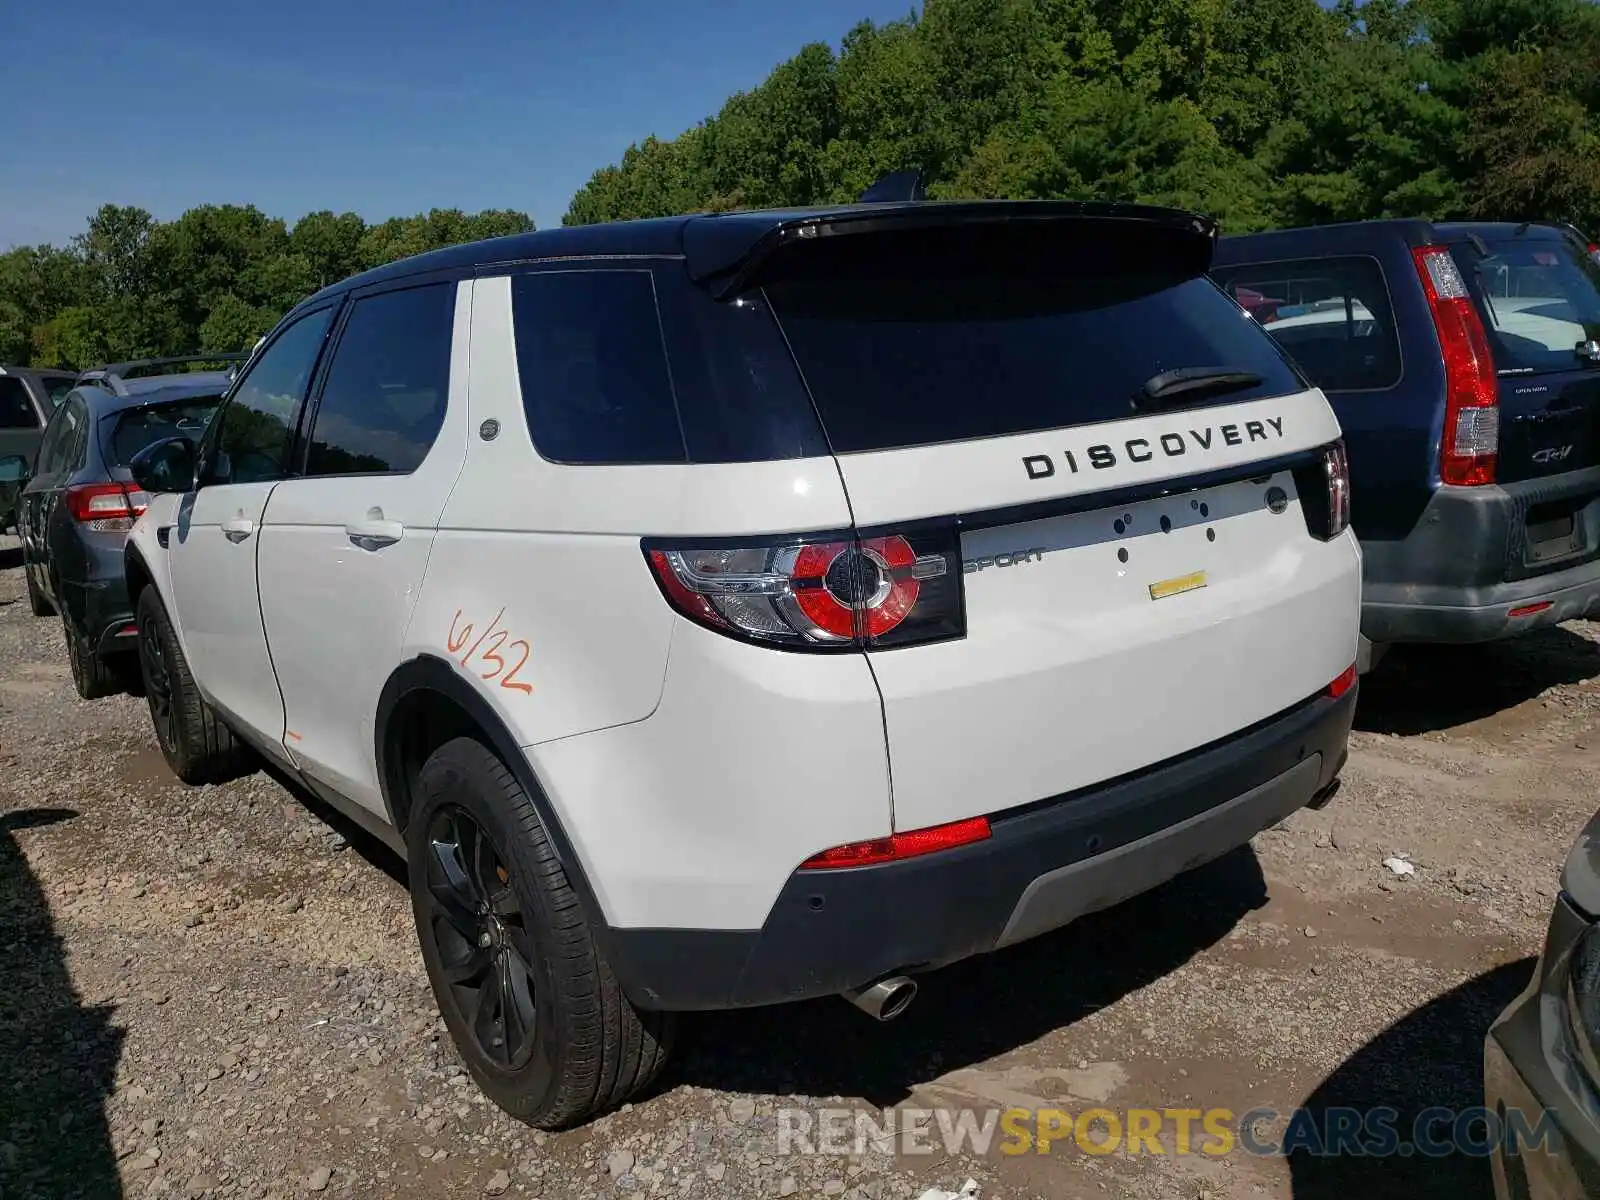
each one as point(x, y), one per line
point(1463, 360)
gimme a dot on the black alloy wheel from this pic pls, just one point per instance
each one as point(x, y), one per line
point(484, 948)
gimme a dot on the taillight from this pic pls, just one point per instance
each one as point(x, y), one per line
point(1472, 412)
point(1346, 681)
point(836, 593)
point(105, 507)
point(901, 845)
point(1337, 469)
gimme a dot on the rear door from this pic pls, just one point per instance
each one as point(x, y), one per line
point(1539, 296)
point(1140, 579)
point(343, 548)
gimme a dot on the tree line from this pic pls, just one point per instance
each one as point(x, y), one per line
point(1263, 113)
point(214, 279)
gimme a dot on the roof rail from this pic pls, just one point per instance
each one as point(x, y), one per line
point(897, 187)
point(122, 369)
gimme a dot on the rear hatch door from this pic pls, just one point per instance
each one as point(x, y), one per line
point(1139, 575)
point(1538, 293)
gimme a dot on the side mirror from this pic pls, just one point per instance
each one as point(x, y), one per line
point(165, 466)
point(13, 469)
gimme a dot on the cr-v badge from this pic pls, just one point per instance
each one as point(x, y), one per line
point(1551, 454)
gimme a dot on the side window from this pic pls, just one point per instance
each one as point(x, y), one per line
point(388, 384)
point(16, 406)
point(49, 445)
point(252, 444)
point(1331, 315)
point(75, 435)
point(595, 384)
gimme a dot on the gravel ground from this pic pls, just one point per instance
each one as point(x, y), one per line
point(217, 992)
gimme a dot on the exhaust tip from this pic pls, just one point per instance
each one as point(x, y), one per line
point(886, 999)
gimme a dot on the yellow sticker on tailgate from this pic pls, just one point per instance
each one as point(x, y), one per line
point(1178, 585)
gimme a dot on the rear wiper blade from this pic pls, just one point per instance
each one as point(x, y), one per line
point(1191, 383)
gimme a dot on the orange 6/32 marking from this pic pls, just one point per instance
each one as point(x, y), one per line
point(460, 634)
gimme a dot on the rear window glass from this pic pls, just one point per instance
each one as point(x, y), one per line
point(135, 428)
point(16, 406)
point(896, 360)
point(1539, 300)
point(1332, 315)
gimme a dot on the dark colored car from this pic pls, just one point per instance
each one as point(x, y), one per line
point(1463, 361)
point(1542, 1056)
point(79, 503)
point(129, 378)
point(28, 395)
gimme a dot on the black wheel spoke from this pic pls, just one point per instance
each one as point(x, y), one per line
point(521, 1015)
point(488, 1023)
point(469, 972)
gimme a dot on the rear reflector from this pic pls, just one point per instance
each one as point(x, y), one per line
point(1346, 681)
point(1471, 439)
point(1527, 610)
point(901, 845)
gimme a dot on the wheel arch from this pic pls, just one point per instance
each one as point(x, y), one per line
point(425, 703)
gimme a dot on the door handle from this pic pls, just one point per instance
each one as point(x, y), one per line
point(236, 529)
point(374, 533)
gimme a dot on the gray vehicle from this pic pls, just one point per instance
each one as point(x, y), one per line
point(1542, 1056)
point(28, 395)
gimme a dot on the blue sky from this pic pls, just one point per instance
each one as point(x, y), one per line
point(386, 109)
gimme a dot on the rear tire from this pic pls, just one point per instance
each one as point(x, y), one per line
point(196, 744)
point(92, 676)
point(529, 1000)
point(37, 604)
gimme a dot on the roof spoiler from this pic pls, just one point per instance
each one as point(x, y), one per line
point(728, 266)
point(121, 369)
point(897, 187)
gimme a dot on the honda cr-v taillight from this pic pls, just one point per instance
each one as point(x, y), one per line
point(1471, 438)
point(105, 507)
point(825, 593)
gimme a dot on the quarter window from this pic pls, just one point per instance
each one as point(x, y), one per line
point(595, 382)
point(255, 427)
point(1331, 315)
point(388, 385)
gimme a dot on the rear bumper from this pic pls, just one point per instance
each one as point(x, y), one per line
point(102, 613)
point(1044, 865)
point(1467, 570)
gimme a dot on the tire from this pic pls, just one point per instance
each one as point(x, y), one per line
point(91, 675)
point(586, 1048)
point(196, 744)
point(37, 604)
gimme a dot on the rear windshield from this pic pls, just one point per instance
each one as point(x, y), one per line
point(1539, 299)
point(136, 428)
point(895, 362)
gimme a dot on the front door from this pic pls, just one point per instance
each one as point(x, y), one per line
point(344, 547)
point(214, 544)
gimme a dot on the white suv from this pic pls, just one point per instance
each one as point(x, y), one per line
point(726, 610)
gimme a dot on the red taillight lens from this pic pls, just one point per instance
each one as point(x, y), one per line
point(832, 593)
point(901, 845)
point(105, 507)
point(1346, 681)
point(1472, 395)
